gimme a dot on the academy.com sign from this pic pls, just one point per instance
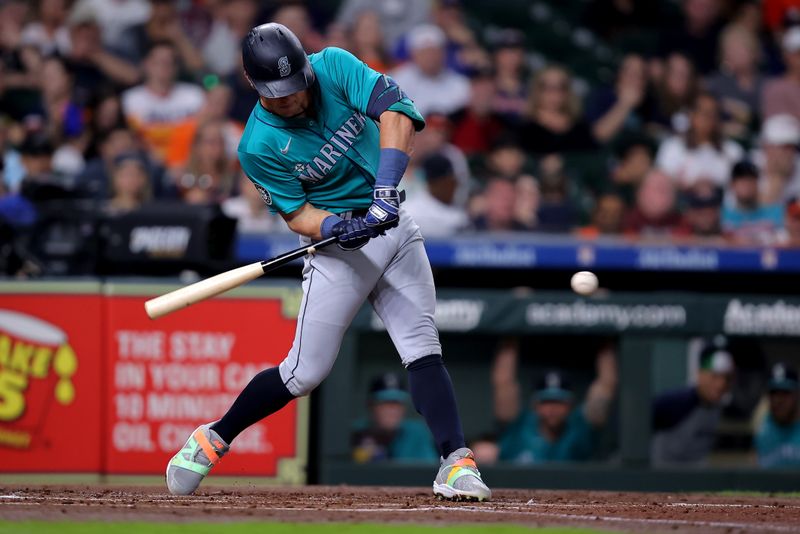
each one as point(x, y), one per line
point(617, 316)
point(776, 318)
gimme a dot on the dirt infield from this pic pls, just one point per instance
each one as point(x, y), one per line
point(628, 512)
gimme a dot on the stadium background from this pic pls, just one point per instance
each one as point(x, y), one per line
point(561, 160)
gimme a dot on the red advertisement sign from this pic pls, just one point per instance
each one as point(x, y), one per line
point(50, 382)
point(170, 375)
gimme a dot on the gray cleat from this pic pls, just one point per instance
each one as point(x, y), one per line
point(459, 478)
point(192, 463)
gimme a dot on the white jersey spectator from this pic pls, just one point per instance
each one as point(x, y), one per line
point(701, 154)
point(48, 33)
point(432, 207)
point(778, 159)
point(426, 79)
point(161, 106)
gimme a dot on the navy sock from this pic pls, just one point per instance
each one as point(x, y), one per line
point(433, 396)
point(263, 396)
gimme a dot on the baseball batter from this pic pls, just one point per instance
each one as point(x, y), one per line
point(314, 149)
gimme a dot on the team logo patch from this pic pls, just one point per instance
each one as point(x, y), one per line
point(284, 68)
point(264, 195)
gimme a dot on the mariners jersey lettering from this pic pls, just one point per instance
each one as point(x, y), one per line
point(328, 160)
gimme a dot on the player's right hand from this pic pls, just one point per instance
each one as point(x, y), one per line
point(353, 233)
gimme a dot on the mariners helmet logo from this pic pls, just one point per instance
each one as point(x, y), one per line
point(284, 68)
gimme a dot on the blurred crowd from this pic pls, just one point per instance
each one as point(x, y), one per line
point(556, 423)
point(131, 101)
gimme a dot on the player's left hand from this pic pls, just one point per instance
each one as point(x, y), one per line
point(385, 208)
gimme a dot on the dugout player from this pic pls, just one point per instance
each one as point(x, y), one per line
point(313, 149)
point(778, 439)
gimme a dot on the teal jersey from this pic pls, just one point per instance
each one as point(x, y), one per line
point(778, 446)
point(522, 442)
point(410, 443)
point(328, 160)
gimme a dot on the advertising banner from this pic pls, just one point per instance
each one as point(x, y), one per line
point(51, 387)
point(168, 376)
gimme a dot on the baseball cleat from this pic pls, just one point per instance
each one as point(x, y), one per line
point(191, 464)
point(459, 478)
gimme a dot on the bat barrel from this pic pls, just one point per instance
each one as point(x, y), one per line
point(186, 296)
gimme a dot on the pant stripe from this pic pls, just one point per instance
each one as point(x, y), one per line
point(302, 322)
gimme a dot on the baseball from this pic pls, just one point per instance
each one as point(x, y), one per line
point(584, 283)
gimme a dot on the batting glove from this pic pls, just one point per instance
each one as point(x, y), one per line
point(352, 233)
point(383, 212)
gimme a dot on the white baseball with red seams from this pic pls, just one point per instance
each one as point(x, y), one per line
point(584, 283)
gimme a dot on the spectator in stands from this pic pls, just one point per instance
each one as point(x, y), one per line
point(790, 235)
point(96, 176)
point(130, 183)
point(432, 209)
point(396, 18)
point(161, 105)
point(497, 207)
point(249, 210)
point(91, 65)
point(464, 53)
point(163, 26)
point(698, 35)
point(510, 75)
point(625, 106)
point(105, 112)
point(505, 157)
point(367, 40)
point(655, 213)
point(553, 122)
point(703, 214)
point(778, 158)
point(476, 127)
point(747, 220)
point(634, 156)
point(778, 439)
point(48, 31)
point(39, 182)
point(527, 201)
point(553, 429)
point(427, 79)
point(209, 175)
point(738, 83)
point(675, 92)
point(435, 138)
point(294, 15)
point(782, 95)
point(64, 117)
point(222, 48)
point(607, 217)
point(556, 213)
point(701, 154)
point(685, 420)
point(13, 15)
point(115, 17)
point(389, 434)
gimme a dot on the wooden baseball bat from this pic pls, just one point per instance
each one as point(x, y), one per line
point(210, 287)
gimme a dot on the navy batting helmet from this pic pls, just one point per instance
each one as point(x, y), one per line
point(274, 61)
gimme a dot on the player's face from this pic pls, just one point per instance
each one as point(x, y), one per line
point(783, 406)
point(553, 414)
point(388, 415)
point(713, 386)
point(294, 105)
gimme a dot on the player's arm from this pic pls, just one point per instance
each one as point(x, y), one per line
point(504, 381)
point(306, 221)
point(601, 392)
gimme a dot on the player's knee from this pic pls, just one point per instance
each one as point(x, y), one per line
point(301, 384)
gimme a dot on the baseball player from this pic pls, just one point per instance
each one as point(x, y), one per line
point(326, 146)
